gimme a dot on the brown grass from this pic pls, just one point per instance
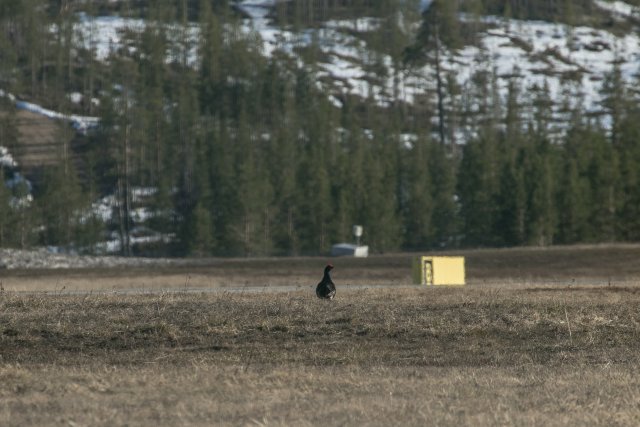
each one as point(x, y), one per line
point(446, 356)
point(593, 265)
point(539, 337)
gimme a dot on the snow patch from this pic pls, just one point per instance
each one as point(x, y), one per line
point(6, 159)
point(80, 123)
point(619, 8)
point(364, 25)
point(75, 97)
point(104, 35)
point(58, 258)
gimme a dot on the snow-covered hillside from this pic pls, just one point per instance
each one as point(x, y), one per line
point(570, 62)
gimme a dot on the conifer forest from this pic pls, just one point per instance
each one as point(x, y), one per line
point(200, 139)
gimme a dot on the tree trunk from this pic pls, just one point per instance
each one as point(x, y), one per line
point(439, 88)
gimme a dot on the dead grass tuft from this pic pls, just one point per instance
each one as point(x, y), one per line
point(376, 357)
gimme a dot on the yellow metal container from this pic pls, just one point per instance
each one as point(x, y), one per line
point(438, 270)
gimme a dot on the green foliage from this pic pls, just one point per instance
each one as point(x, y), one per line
point(199, 234)
point(551, 10)
point(441, 21)
point(417, 200)
point(22, 217)
point(540, 182)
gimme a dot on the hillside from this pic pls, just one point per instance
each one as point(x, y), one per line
point(269, 127)
point(567, 64)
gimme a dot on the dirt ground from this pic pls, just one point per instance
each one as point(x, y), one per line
point(538, 337)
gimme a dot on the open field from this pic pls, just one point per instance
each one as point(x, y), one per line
point(587, 265)
point(534, 349)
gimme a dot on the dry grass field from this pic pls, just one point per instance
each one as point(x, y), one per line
point(538, 337)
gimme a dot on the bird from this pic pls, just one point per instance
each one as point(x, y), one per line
point(326, 289)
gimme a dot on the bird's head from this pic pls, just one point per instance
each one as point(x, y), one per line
point(328, 268)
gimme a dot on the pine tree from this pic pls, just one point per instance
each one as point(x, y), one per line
point(210, 52)
point(417, 200)
point(440, 23)
point(8, 127)
point(342, 197)
point(255, 194)
point(199, 233)
point(117, 145)
point(511, 219)
point(88, 76)
point(185, 131)
point(543, 110)
point(225, 192)
point(282, 159)
point(6, 214)
point(573, 203)
point(61, 204)
point(153, 161)
point(478, 184)
point(34, 44)
point(62, 46)
point(439, 30)
point(628, 152)
point(594, 194)
point(603, 173)
point(541, 209)
point(315, 187)
point(8, 52)
point(442, 168)
point(615, 99)
point(513, 117)
point(379, 208)
point(23, 214)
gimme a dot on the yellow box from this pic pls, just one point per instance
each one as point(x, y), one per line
point(438, 270)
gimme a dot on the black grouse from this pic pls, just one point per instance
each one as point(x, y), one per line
point(326, 289)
